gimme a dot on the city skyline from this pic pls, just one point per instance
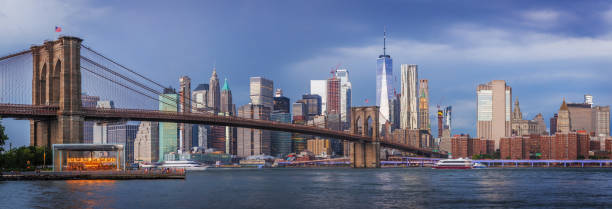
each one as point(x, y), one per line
point(535, 79)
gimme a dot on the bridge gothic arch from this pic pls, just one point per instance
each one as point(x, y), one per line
point(364, 122)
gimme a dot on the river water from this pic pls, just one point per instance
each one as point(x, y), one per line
point(328, 188)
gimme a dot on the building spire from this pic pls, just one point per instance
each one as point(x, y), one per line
point(385, 41)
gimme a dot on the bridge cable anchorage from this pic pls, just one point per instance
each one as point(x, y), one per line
point(125, 86)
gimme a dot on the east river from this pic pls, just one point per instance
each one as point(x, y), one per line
point(328, 188)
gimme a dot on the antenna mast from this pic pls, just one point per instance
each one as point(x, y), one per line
point(385, 41)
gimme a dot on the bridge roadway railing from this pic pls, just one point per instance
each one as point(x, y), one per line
point(26, 111)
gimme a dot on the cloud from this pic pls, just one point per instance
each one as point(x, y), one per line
point(30, 20)
point(541, 18)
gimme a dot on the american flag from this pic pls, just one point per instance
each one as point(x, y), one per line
point(366, 101)
point(58, 29)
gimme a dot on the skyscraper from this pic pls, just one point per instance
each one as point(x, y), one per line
point(100, 133)
point(226, 99)
point(424, 104)
point(168, 132)
point(280, 140)
point(281, 103)
point(346, 95)
point(200, 97)
point(185, 106)
point(124, 134)
point(494, 103)
point(253, 141)
point(384, 76)
point(333, 96)
point(262, 92)
point(553, 124)
point(214, 95)
point(409, 97)
point(319, 87)
point(313, 105)
point(602, 120)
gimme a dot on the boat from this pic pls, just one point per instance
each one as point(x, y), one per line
point(459, 163)
point(184, 164)
point(479, 165)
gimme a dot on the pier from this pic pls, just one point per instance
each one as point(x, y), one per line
point(92, 175)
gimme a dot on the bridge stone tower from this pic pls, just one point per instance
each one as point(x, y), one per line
point(364, 121)
point(56, 80)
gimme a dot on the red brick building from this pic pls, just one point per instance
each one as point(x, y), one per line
point(514, 147)
point(465, 147)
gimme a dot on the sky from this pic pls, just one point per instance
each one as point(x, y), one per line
point(545, 50)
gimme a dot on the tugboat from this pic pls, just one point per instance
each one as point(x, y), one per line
point(460, 163)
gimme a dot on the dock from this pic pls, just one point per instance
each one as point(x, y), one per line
point(91, 175)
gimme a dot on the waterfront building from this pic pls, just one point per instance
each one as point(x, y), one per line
point(563, 119)
point(409, 101)
point(185, 106)
point(88, 101)
point(281, 141)
point(168, 132)
point(384, 85)
point(253, 141)
point(494, 101)
point(319, 87)
point(281, 103)
point(319, 147)
point(214, 94)
point(262, 92)
point(463, 146)
point(346, 94)
point(200, 96)
point(124, 134)
point(424, 105)
point(333, 96)
point(146, 143)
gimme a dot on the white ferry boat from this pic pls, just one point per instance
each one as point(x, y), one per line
point(454, 164)
point(185, 164)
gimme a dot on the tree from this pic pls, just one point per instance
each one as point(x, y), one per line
point(3, 137)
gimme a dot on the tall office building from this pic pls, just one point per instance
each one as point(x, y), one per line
point(253, 141)
point(299, 111)
point(280, 141)
point(226, 99)
point(409, 100)
point(448, 118)
point(262, 92)
point(185, 106)
point(88, 101)
point(200, 97)
point(124, 134)
point(313, 105)
point(214, 94)
point(333, 96)
point(602, 120)
point(146, 144)
point(281, 103)
point(581, 117)
point(494, 103)
point(395, 111)
point(384, 85)
point(424, 104)
point(346, 94)
point(319, 87)
point(168, 132)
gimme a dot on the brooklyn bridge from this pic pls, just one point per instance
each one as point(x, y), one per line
point(49, 95)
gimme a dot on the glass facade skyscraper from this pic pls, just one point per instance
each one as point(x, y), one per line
point(384, 85)
point(168, 132)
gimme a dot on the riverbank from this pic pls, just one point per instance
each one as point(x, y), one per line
point(91, 175)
